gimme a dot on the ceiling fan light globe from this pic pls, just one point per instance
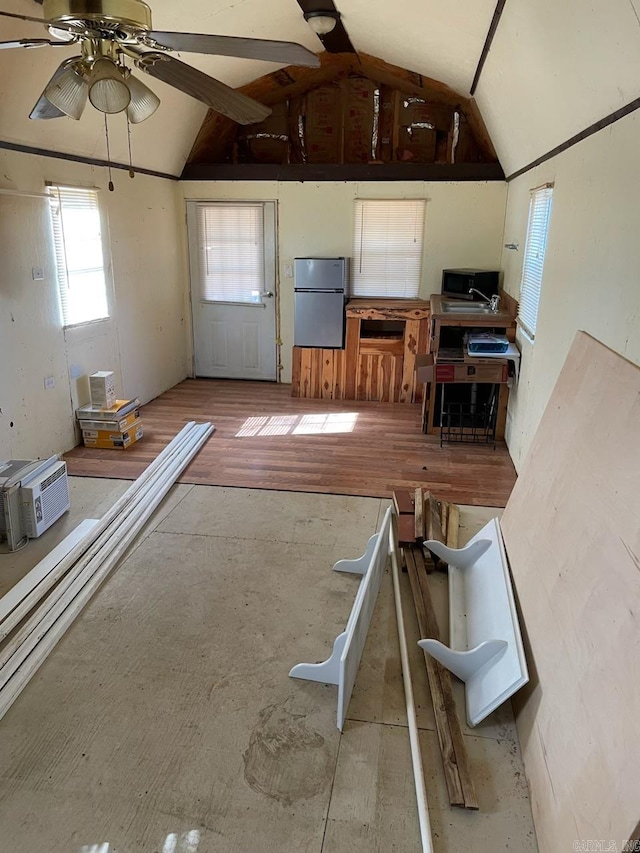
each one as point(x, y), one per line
point(321, 23)
point(61, 35)
point(108, 91)
point(68, 93)
point(143, 103)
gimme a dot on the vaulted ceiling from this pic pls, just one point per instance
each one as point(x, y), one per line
point(554, 68)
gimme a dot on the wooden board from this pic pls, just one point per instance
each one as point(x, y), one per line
point(403, 502)
point(455, 761)
point(572, 534)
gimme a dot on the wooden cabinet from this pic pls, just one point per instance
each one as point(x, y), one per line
point(378, 362)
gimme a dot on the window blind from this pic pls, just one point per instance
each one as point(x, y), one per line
point(231, 252)
point(77, 239)
point(533, 265)
point(387, 247)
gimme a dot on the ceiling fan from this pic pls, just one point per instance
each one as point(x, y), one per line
point(108, 31)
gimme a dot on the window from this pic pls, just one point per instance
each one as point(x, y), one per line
point(231, 252)
point(387, 248)
point(533, 265)
point(77, 238)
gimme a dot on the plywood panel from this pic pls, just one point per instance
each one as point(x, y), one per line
point(573, 541)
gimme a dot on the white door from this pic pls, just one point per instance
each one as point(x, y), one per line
point(232, 248)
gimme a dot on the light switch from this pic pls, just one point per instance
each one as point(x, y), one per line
point(49, 382)
point(288, 270)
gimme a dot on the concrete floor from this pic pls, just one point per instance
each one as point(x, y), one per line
point(165, 722)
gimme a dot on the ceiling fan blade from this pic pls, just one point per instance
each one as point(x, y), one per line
point(44, 109)
point(5, 45)
point(211, 92)
point(287, 52)
point(23, 17)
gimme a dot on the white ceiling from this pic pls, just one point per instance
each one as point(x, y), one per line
point(554, 68)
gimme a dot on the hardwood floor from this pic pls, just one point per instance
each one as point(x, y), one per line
point(265, 439)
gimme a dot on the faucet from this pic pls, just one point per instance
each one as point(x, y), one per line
point(494, 302)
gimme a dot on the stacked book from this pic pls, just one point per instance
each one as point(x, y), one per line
point(116, 426)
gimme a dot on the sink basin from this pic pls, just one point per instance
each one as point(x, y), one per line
point(466, 308)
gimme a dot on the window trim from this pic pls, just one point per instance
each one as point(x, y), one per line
point(107, 265)
point(357, 244)
point(547, 188)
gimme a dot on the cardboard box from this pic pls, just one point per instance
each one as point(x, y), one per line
point(102, 388)
point(102, 433)
point(119, 440)
point(469, 371)
point(119, 425)
point(103, 413)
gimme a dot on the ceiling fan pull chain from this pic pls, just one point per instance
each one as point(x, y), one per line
point(106, 133)
point(132, 174)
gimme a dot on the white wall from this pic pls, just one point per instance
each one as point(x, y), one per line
point(591, 276)
point(464, 223)
point(145, 339)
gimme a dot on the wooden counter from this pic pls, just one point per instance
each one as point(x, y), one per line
point(377, 363)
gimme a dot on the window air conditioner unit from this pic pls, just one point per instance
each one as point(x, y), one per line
point(33, 494)
point(45, 497)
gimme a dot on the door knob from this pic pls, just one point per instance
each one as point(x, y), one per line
point(268, 293)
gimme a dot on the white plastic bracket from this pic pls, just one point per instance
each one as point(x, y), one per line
point(341, 667)
point(485, 645)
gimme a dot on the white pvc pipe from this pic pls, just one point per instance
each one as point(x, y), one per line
point(47, 564)
point(12, 613)
point(416, 756)
point(61, 619)
point(30, 634)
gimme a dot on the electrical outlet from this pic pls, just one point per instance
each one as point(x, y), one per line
point(37, 273)
point(49, 383)
point(288, 270)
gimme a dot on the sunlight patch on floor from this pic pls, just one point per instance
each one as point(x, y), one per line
point(315, 424)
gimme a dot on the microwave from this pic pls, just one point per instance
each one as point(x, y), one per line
point(458, 283)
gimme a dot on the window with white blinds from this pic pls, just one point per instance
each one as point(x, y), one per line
point(77, 239)
point(231, 252)
point(388, 238)
point(533, 265)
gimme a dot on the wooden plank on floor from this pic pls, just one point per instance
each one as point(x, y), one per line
point(455, 760)
point(418, 505)
point(453, 526)
point(403, 502)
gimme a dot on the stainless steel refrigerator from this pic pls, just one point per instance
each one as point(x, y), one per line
point(320, 290)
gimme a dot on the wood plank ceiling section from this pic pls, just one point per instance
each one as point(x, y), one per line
point(351, 111)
